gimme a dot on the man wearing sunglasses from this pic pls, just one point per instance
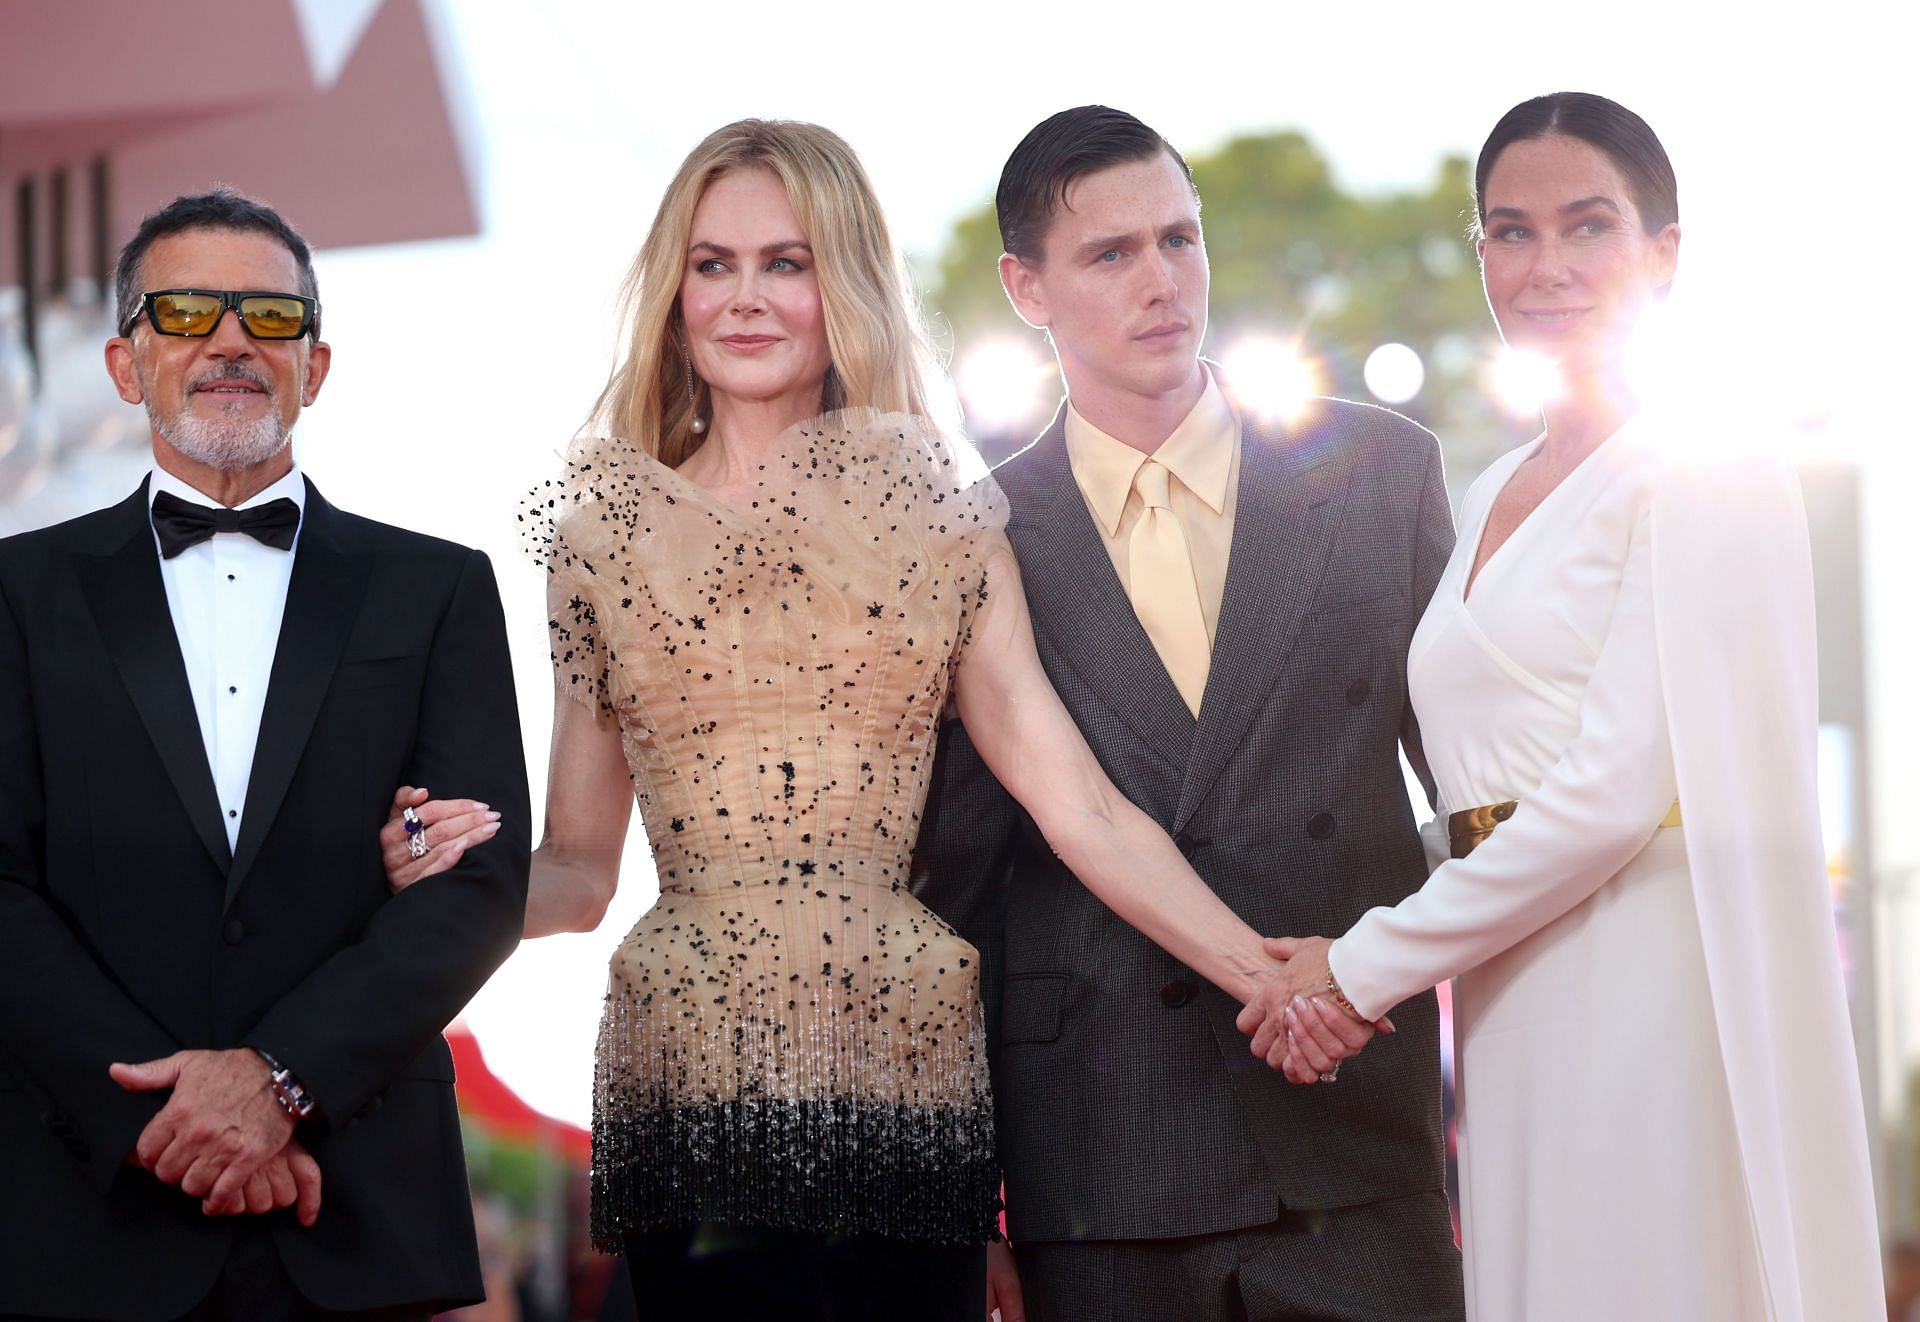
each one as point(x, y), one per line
point(223, 1092)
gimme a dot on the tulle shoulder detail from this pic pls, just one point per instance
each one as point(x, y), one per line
point(898, 471)
point(846, 485)
point(596, 486)
point(854, 515)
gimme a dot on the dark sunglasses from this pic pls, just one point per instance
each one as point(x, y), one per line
point(196, 312)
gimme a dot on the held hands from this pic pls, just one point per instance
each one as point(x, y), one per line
point(449, 827)
point(1295, 1024)
point(221, 1137)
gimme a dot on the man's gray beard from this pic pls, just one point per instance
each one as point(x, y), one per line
point(224, 445)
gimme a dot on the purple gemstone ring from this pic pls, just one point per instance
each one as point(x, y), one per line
point(416, 829)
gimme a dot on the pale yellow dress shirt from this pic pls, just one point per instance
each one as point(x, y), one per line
point(1203, 457)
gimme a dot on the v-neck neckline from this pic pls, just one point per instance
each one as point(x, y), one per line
point(1473, 576)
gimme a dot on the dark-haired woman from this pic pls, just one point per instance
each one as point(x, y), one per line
point(1660, 1110)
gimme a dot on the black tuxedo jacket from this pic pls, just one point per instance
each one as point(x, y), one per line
point(128, 930)
point(1129, 1106)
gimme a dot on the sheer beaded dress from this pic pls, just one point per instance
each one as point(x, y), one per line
point(790, 1038)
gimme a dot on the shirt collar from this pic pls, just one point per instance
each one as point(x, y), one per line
point(1199, 453)
point(292, 486)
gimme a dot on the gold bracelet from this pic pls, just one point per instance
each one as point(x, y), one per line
point(1340, 997)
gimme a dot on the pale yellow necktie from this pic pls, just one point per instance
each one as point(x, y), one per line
point(1160, 581)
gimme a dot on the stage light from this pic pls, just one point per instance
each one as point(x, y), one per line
point(1523, 382)
point(1394, 373)
point(999, 384)
point(1271, 377)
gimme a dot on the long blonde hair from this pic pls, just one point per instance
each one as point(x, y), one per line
point(879, 349)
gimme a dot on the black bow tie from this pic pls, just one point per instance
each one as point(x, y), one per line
point(181, 523)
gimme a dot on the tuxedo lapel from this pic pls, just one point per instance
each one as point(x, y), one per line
point(323, 598)
point(1079, 606)
point(124, 591)
point(1290, 502)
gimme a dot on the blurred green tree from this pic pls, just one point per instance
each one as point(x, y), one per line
point(1294, 256)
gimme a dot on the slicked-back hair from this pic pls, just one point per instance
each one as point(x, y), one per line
point(221, 209)
point(1058, 151)
point(1606, 125)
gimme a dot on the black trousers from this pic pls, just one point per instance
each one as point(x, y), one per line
point(1391, 1261)
point(717, 1273)
point(254, 1287)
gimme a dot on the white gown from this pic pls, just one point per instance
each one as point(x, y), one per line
point(1603, 1175)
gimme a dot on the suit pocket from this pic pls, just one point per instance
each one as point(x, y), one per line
point(376, 672)
point(1034, 1002)
point(1345, 601)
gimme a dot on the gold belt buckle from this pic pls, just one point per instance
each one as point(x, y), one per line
point(1468, 827)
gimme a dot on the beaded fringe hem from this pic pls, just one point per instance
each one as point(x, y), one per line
point(923, 1173)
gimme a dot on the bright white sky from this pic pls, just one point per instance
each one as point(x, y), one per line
point(462, 367)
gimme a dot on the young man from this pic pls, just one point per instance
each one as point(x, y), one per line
point(223, 1092)
point(1224, 603)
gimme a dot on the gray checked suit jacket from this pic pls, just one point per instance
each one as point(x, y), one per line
point(1129, 1106)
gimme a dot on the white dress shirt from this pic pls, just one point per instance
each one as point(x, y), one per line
point(226, 596)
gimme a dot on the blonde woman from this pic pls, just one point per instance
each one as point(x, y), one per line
point(761, 596)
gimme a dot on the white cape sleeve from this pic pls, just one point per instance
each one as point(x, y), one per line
point(1734, 615)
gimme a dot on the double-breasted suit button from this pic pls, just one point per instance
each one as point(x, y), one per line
point(1188, 846)
point(62, 1128)
point(234, 932)
point(1357, 692)
point(1320, 825)
point(1176, 993)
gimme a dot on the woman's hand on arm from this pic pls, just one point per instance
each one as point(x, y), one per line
point(1030, 743)
point(577, 866)
point(449, 826)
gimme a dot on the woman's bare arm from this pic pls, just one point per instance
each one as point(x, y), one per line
point(1031, 745)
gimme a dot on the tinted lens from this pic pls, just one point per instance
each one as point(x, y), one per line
point(186, 314)
point(271, 318)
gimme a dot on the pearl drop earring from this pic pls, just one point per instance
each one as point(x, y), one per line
point(699, 424)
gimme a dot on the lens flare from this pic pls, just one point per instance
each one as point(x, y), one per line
point(1271, 377)
point(1394, 373)
point(999, 384)
point(1523, 382)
